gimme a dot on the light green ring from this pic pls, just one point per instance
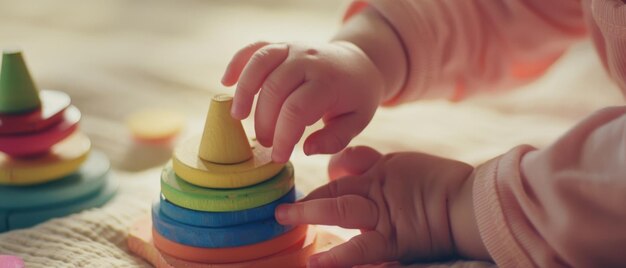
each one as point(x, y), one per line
point(190, 196)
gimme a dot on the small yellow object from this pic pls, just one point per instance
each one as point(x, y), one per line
point(155, 124)
point(63, 159)
point(224, 141)
point(195, 170)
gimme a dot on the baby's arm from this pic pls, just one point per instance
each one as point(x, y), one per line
point(457, 48)
point(564, 205)
point(369, 31)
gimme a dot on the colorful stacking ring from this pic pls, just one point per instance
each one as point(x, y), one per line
point(53, 104)
point(189, 196)
point(295, 256)
point(22, 145)
point(89, 178)
point(194, 170)
point(221, 219)
point(231, 236)
point(64, 158)
point(140, 241)
point(231, 254)
point(26, 218)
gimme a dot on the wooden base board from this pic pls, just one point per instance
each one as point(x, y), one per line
point(187, 195)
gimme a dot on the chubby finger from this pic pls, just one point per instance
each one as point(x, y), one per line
point(352, 185)
point(260, 65)
point(336, 134)
point(366, 248)
point(239, 61)
point(274, 91)
point(348, 211)
point(352, 161)
point(305, 106)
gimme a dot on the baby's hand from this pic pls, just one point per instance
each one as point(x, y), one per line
point(300, 84)
point(403, 204)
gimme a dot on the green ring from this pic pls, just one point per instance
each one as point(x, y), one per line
point(187, 195)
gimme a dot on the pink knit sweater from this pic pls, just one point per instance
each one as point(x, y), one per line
point(564, 205)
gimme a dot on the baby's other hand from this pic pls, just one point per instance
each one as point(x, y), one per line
point(400, 202)
point(299, 84)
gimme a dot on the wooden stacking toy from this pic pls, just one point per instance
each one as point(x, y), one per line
point(47, 166)
point(217, 202)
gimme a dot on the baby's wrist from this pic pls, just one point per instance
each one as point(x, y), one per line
point(463, 226)
point(374, 73)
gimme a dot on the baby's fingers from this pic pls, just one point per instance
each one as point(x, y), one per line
point(352, 161)
point(349, 211)
point(260, 65)
point(305, 106)
point(366, 248)
point(241, 58)
point(353, 185)
point(336, 134)
point(275, 90)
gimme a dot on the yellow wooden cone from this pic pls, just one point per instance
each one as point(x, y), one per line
point(224, 141)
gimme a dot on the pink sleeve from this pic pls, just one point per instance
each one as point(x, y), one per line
point(607, 21)
point(456, 48)
point(563, 206)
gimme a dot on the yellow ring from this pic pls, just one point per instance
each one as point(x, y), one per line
point(191, 168)
point(64, 158)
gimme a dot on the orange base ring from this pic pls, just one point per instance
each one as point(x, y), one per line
point(229, 255)
point(140, 242)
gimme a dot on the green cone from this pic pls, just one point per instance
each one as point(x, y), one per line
point(18, 92)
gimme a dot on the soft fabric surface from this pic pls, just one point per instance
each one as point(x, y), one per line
point(115, 57)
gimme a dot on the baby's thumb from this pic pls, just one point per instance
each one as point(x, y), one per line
point(352, 161)
point(335, 135)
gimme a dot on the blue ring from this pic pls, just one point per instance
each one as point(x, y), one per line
point(19, 219)
point(220, 237)
point(223, 219)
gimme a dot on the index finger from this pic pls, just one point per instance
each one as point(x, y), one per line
point(305, 106)
point(239, 61)
point(351, 185)
point(348, 211)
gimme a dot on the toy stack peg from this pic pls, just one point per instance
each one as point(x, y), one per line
point(217, 202)
point(47, 167)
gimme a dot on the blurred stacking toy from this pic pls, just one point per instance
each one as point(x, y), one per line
point(216, 207)
point(47, 167)
point(156, 126)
